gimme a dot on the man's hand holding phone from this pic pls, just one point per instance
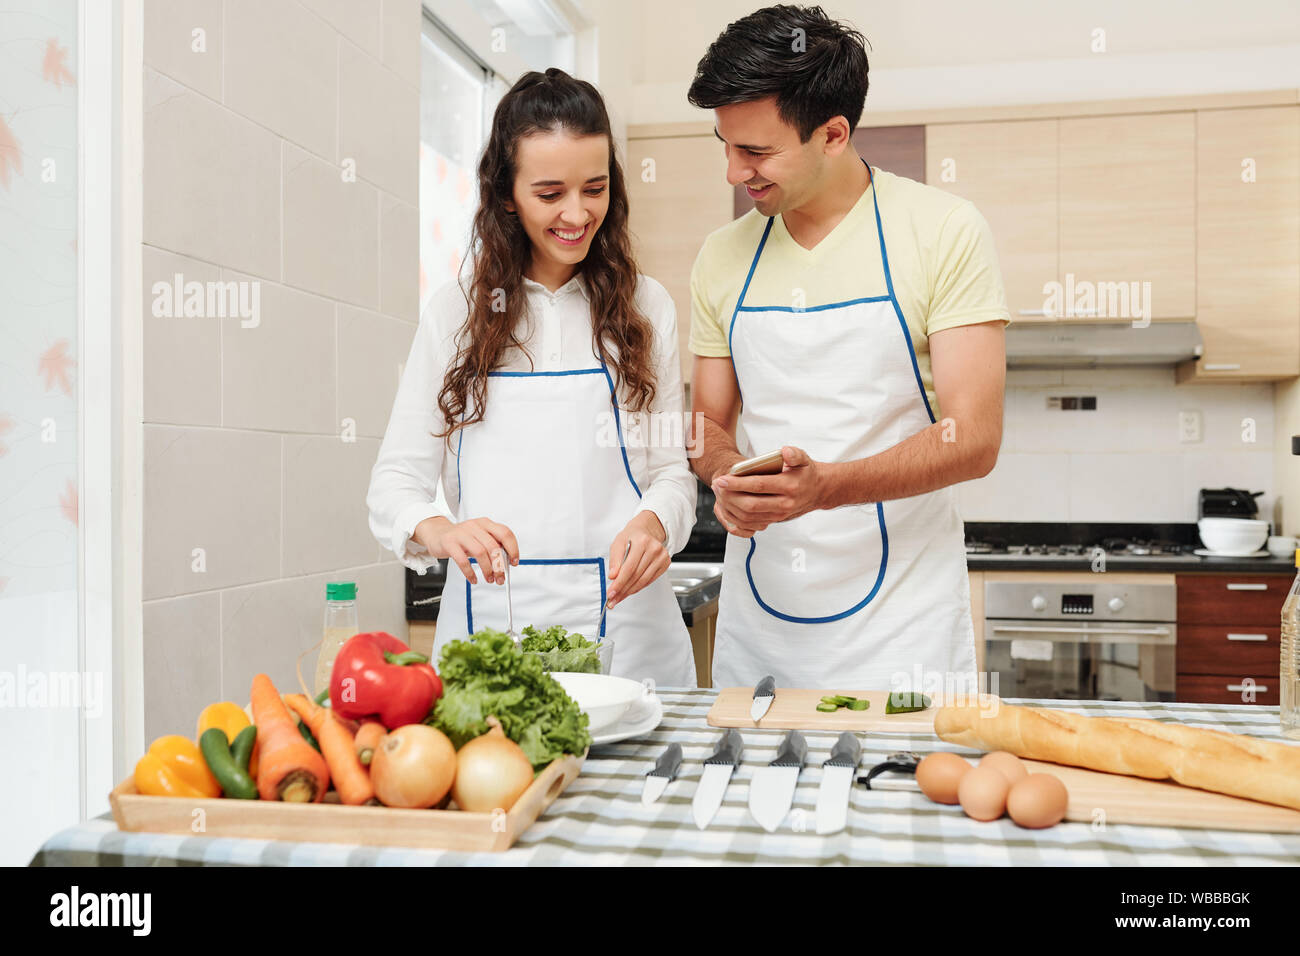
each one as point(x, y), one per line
point(746, 503)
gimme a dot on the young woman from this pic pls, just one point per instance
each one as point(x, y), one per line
point(517, 394)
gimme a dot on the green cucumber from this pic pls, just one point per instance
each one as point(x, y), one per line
point(859, 704)
point(234, 781)
point(906, 702)
point(826, 708)
point(242, 749)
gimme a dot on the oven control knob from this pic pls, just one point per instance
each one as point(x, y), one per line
point(1038, 602)
point(1115, 604)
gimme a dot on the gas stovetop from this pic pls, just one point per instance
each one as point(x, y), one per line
point(1117, 547)
point(1067, 544)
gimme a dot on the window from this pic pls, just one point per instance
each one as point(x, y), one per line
point(457, 96)
point(459, 92)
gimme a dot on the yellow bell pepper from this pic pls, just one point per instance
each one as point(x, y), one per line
point(174, 767)
point(231, 718)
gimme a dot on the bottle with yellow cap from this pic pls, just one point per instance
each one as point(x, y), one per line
point(1291, 658)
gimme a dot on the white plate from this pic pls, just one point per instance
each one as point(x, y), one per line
point(644, 716)
point(1207, 553)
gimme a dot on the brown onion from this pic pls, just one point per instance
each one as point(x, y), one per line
point(492, 772)
point(413, 766)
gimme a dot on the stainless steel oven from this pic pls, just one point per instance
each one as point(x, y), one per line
point(1080, 635)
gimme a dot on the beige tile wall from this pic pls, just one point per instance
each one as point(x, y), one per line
point(280, 148)
point(1124, 461)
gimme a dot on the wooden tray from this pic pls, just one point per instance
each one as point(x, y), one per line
point(330, 822)
point(796, 709)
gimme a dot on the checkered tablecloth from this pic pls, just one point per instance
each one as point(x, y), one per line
point(599, 819)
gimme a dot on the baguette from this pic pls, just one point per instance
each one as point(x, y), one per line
point(1235, 764)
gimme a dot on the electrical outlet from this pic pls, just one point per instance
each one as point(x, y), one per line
point(1072, 403)
point(1189, 427)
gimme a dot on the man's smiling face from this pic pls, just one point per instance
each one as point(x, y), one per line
point(765, 155)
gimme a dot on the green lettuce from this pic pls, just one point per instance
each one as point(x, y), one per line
point(562, 650)
point(488, 676)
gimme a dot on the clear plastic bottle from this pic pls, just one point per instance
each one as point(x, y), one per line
point(1290, 708)
point(340, 624)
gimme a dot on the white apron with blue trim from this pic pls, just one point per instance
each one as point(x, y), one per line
point(540, 463)
point(872, 596)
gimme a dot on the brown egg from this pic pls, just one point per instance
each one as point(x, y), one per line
point(983, 793)
point(1007, 764)
point(1040, 800)
point(938, 776)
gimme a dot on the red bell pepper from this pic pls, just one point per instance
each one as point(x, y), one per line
point(376, 675)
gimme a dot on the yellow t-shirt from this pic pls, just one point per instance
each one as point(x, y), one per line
point(941, 259)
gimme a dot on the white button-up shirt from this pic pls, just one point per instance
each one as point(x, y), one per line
point(415, 478)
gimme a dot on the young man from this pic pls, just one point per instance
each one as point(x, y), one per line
point(854, 320)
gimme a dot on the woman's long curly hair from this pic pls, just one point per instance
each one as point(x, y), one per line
point(621, 336)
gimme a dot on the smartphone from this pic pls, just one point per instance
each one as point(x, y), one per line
point(769, 464)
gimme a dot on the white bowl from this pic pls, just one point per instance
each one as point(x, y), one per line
point(605, 699)
point(1281, 546)
point(1237, 535)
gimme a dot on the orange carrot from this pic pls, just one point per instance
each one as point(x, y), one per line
point(290, 769)
point(351, 780)
point(368, 736)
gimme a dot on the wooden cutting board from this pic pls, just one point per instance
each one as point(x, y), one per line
point(1102, 799)
point(1096, 798)
point(796, 709)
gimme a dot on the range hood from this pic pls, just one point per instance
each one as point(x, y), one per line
point(1098, 344)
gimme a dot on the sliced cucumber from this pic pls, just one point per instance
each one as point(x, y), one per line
point(906, 702)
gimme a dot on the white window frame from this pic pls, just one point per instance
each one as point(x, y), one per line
point(110, 389)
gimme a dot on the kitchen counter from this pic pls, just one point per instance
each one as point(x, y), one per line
point(599, 819)
point(1182, 563)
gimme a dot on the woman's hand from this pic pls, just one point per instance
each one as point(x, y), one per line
point(647, 557)
point(477, 538)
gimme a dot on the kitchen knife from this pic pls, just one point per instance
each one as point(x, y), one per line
point(772, 790)
point(717, 774)
point(837, 779)
point(664, 770)
point(764, 694)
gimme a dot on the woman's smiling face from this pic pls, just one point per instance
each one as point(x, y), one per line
point(561, 195)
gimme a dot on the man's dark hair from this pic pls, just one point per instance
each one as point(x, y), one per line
point(816, 67)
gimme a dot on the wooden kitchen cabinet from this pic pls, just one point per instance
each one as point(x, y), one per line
point(678, 194)
point(1247, 244)
point(977, 616)
point(1231, 598)
point(1229, 637)
point(1009, 171)
point(1205, 689)
point(896, 149)
point(420, 637)
point(1229, 649)
point(1128, 207)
